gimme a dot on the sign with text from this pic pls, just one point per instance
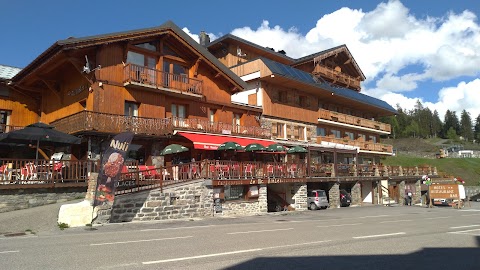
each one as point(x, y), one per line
point(444, 191)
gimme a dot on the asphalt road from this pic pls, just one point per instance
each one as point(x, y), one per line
point(373, 237)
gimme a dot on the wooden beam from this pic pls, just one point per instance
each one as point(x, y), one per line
point(348, 61)
point(52, 85)
point(195, 67)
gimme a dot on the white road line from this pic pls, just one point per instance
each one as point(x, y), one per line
point(466, 231)
point(394, 221)
point(339, 225)
point(296, 245)
point(177, 228)
point(378, 235)
point(375, 216)
point(9, 251)
point(468, 226)
point(261, 231)
point(437, 217)
point(470, 215)
point(203, 256)
point(139, 241)
point(232, 252)
point(470, 210)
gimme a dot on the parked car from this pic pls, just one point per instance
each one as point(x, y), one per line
point(345, 198)
point(317, 199)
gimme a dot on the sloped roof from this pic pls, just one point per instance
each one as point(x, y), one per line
point(307, 78)
point(314, 55)
point(7, 72)
point(251, 44)
point(119, 36)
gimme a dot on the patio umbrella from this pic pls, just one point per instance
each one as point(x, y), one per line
point(39, 134)
point(230, 146)
point(275, 147)
point(296, 149)
point(173, 149)
point(254, 147)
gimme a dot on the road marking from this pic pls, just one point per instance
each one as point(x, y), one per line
point(460, 232)
point(139, 241)
point(393, 221)
point(339, 225)
point(375, 216)
point(9, 251)
point(296, 245)
point(261, 231)
point(469, 215)
point(470, 210)
point(437, 217)
point(378, 235)
point(468, 226)
point(203, 256)
point(232, 252)
point(177, 228)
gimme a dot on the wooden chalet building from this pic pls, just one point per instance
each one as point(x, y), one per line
point(315, 102)
point(166, 88)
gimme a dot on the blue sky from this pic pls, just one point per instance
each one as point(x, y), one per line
point(408, 49)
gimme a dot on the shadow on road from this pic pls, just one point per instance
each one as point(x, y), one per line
point(429, 258)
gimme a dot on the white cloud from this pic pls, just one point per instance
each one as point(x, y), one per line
point(395, 50)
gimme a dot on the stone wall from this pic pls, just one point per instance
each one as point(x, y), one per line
point(300, 196)
point(246, 208)
point(189, 200)
point(11, 200)
point(334, 195)
point(357, 194)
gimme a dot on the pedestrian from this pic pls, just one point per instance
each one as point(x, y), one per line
point(409, 197)
point(175, 162)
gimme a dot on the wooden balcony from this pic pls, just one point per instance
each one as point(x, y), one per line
point(353, 120)
point(151, 78)
point(8, 128)
point(113, 123)
point(363, 145)
point(337, 77)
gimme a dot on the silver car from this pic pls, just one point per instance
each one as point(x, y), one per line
point(317, 199)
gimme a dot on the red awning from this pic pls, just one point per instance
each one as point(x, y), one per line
point(212, 141)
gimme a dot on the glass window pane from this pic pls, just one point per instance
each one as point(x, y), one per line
point(148, 45)
point(136, 58)
point(174, 110)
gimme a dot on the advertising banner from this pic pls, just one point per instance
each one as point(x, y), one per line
point(111, 167)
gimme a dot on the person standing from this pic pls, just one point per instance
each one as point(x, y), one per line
point(409, 198)
point(175, 162)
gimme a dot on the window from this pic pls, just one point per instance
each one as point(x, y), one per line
point(361, 137)
point(321, 131)
point(234, 192)
point(304, 102)
point(236, 122)
point(280, 130)
point(300, 133)
point(372, 138)
point(147, 45)
point(335, 133)
point(179, 71)
point(131, 108)
point(349, 135)
point(179, 114)
point(139, 72)
point(4, 120)
point(211, 115)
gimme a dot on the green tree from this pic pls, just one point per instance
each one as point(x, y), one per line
point(466, 129)
point(451, 121)
point(452, 134)
point(437, 125)
point(476, 134)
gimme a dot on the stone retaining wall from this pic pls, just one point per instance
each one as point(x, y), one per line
point(11, 200)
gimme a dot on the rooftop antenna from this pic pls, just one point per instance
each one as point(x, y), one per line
point(86, 68)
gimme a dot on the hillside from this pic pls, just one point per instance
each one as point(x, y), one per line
point(411, 152)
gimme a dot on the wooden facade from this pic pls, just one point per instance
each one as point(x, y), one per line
point(304, 111)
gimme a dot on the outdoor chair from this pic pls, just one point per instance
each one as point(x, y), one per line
point(249, 170)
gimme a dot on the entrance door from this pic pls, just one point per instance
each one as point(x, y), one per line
point(393, 193)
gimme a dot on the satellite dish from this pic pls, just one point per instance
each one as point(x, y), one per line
point(86, 68)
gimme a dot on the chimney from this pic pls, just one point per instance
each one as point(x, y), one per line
point(204, 39)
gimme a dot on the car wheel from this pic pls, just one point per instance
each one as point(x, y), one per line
point(313, 206)
point(324, 207)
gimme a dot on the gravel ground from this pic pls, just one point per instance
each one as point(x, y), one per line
point(36, 220)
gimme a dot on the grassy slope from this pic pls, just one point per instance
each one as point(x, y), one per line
point(414, 152)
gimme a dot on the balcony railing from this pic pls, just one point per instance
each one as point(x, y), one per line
point(336, 76)
point(353, 120)
point(141, 75)
point(363, 145)
point(113, 123)
point(7, 128)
